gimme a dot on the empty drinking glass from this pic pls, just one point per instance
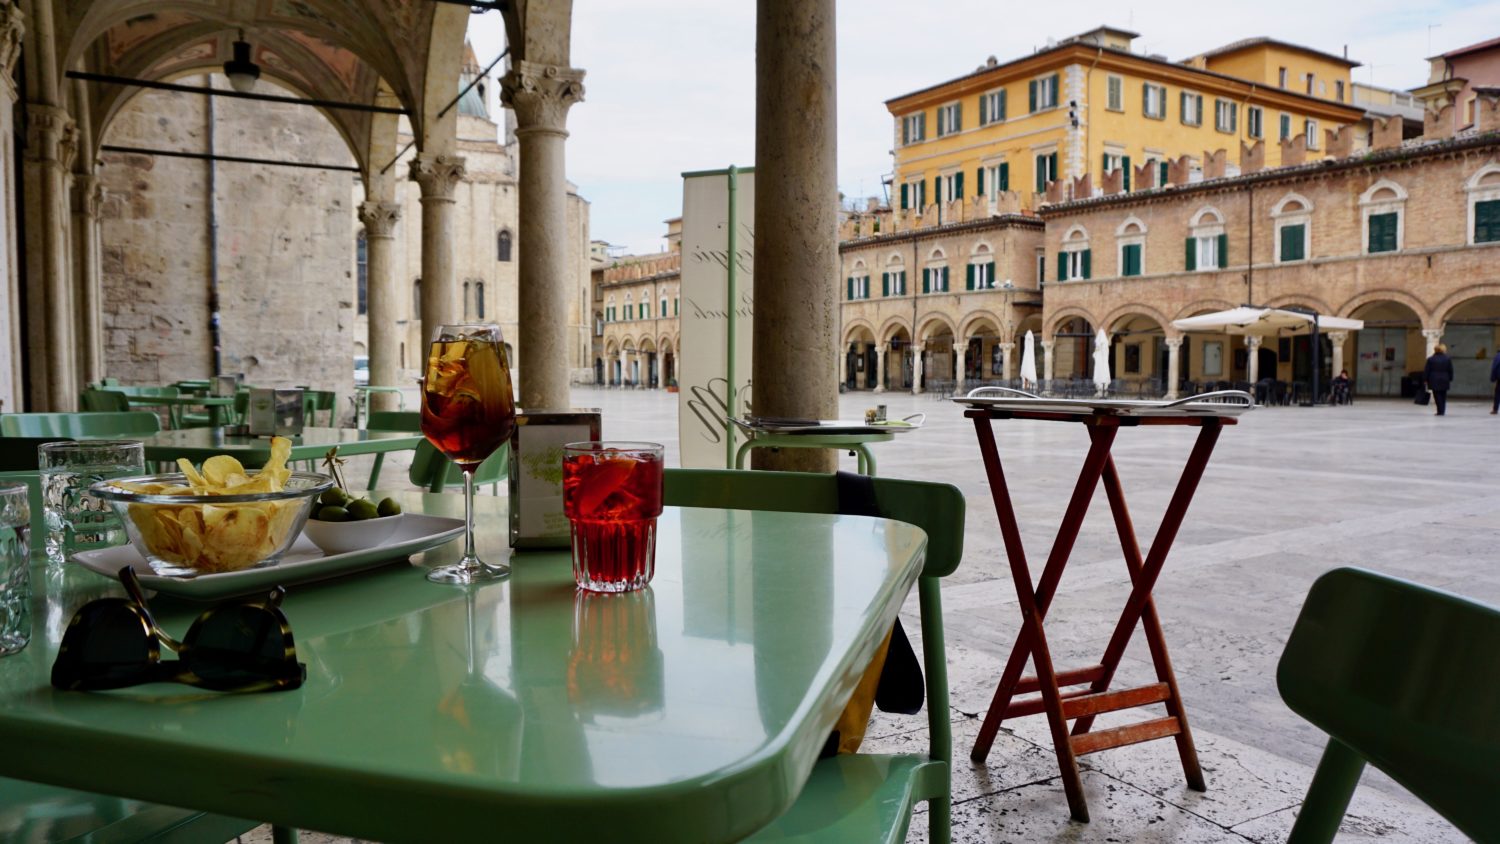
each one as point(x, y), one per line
point(77, 521)
point(15, 568)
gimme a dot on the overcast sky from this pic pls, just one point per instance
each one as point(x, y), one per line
point(671, 83)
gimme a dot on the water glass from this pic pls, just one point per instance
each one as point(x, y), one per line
point(77, 521)
point(15, 568)
point(612, 494)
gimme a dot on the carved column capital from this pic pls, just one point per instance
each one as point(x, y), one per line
point(541, 95)
point(88, 193)
point(1005, 347)
point(1173, 342)
point(1432, 334)
point(51, 134)
point(1048, 344)
point(1337, 338)
point(379, 218)
point(1252, 341)
point(12, 28)
point(438, 175)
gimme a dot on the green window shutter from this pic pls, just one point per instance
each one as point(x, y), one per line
point(1199, 97)
point(1292, 242)
point(1041, 173)
point(1125, 162)
point(1162, 181)
point(1182, 106)
point(1192, 255)
point(905, 132)
point(903, 196)
point(958, 185)
point(1000, 101)
point(1104, 168)
point(1487, 221)
point(969, 278)
point(982, 98)
point(937, 189)
point(991, 275)
point(1005, 176)
point(885, 284)
point(945, 278)
point(958, 118)
point(1056, 88)
point(1031, 86)
point(1223, 251)
point(851, 287)
point(1286, 126)
point(1088, 263)
point(1052, 166)
point(926, 279)
point(922, 194)
point(1062, 266)
point(979, 182)
point(1388, 226)
point(1146, 98)
point(1130, 258)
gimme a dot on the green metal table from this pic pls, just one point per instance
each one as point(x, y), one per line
point(176, 404)
point(198, 444)
point(362, 401)
point(691, 711)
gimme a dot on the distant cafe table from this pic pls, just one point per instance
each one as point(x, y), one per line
point(199, 444)
point(176, 405)
point(691, 711)
point(1210, 413)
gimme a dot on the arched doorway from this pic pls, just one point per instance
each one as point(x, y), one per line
point(649, 364)
point(668, 364)
point(899, 361)
point(860, 362)
point(1388, 348)
point(1073, 345)
point(1471, 331)
point(936, 345)
point(1138, 353)
point(981, 358)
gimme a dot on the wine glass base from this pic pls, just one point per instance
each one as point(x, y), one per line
point(468, 572)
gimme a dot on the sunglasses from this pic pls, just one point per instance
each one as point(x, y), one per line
point(239, 646)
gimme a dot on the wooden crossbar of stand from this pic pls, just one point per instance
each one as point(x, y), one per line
point(1081, 705)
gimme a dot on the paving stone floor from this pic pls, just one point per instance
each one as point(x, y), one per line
point(1291, 492)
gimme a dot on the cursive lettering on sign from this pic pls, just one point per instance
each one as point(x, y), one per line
point(709, 404)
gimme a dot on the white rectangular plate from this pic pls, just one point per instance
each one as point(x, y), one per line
point(304, 562)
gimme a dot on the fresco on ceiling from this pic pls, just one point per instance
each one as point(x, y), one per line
point(341, 63)
point(192, 56)
point(125, 37)
point(274, 62)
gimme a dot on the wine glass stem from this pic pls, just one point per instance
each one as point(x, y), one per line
point(469, 558)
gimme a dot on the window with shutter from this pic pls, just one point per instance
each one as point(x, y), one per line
point(1087, 270)
point(1191, 263)
point(1031, 95)
point(983, 117)
point(1487, 221)
point(1041, 173)
point(903, 196)
point(945, 279)
point(1294, 242)
point(969, 277)
point(885, 284)
point(979, 182)
point(851, 288)
point(1161, 180)
point(1115, 100)
point(958, 185)
point(1130, 259)
point(1005, 176)
point(927, 280)
point(1286, 126)
point(1062, 266)
point(1223, 251)
point(1125, 162)
point(1383, 232)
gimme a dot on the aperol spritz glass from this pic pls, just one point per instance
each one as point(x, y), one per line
point(468, 411)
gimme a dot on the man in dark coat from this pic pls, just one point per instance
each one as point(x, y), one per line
point(1495, 377)
point(1439, 375)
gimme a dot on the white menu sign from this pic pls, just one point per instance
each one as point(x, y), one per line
point(703, 388)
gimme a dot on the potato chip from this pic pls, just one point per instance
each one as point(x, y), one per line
point(220, 467)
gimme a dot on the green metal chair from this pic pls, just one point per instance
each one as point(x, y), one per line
point(145, 391)
point(79, 425)
point(862, 797)
point(1403, 677)
point(106, 401)
point(429, 468)
point(317, 401)
point(388, 420)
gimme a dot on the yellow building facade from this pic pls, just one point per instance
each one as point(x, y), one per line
point(1089, 106)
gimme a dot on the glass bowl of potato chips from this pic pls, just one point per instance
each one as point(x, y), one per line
point(220, 518)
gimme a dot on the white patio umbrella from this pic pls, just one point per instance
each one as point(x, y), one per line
point(1265, 322)
point(1028, 361)
point(1101, 362)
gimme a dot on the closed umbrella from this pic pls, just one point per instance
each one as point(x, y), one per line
point(1101, 363)
point(1028, 361)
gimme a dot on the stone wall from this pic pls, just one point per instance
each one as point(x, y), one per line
point(285, 244)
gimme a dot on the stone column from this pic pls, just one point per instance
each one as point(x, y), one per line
point(12, 27)
point(88, 291)
point(918, 363)
point(880, 352)
point(1047, 360)
point(541, 95)
point(438, 176)
point(1174, 366)
point(383, 298)
point(1433, 336)
point(1007, 360)
point(961, 359)
point(624, 372)
point(1252, 364)
point(1337, 339)
point(796, 221)
point(51, 143)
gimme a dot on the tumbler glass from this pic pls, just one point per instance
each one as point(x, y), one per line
point(15, 568)
point(77, 521)
point(612, 494)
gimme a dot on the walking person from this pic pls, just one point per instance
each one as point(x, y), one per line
point(1439, 375)
point(1495, 377)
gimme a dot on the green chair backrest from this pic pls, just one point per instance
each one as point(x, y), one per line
point(1404, 677)
point(935, 508)
point(81, 425)
point(314, 401)
point(104, 401)
point(394, 420)
point(146, 391)
point(18, 454)
point(430, 469)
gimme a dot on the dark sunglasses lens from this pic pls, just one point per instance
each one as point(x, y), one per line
point(106, 647)
point(241, 645)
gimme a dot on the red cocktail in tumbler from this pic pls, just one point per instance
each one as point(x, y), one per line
point(612, 496)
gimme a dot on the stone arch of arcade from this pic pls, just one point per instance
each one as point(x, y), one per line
point(1470, 326)
point(1392, 344)
point(859, 362)
point(980, 348)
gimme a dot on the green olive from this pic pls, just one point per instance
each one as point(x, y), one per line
point(333, 513)
point(361, 509)
point(333, 495)
point(389, 507)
